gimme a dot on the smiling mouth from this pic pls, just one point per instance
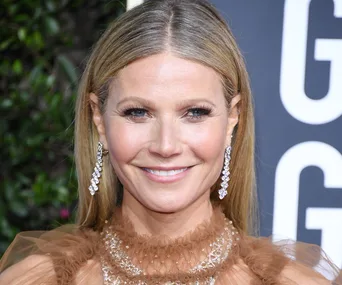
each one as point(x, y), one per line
point(165, 173)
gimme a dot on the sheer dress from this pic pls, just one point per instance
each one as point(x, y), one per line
point(214, 253)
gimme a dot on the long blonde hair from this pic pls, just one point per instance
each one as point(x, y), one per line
point(189, 29)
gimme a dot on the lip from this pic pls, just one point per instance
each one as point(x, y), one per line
point(166, 179)
point(166, 168)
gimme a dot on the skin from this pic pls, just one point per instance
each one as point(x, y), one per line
point(156, 116)
point(165, 135)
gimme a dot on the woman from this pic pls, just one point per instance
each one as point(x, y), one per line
point(165, 115)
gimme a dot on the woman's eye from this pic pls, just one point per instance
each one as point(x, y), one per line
point(197, 113)
point(135, 112)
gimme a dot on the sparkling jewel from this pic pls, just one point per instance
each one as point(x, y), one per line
point(225, 174)
point(97, 171)
point(134, 273)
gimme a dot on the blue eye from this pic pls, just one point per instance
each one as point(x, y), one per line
point(135, 112)
point(198, 112)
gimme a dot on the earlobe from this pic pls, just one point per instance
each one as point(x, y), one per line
point(95, 109)
point(233, 117)
point(98, 118)
point(234, 106)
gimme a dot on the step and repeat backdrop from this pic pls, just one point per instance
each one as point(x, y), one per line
point(293, 50)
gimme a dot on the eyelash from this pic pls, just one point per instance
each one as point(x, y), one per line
point(203, 110)
point(128, 112)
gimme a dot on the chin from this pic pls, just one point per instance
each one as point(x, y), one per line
point(167, 209)
point(167, 205)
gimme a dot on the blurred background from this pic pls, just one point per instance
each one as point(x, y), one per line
point(293, 51)
point(43, 49)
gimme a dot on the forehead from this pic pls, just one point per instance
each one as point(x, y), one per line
point(168, 73)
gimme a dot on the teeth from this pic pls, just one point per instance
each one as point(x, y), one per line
point(165, 173)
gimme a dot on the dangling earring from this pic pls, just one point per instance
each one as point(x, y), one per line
point(97, 170)
point(225, 174)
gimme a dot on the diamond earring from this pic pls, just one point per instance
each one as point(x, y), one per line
point(225, 174)
point(97, 170)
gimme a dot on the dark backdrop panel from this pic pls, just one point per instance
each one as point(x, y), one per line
point(293, 51)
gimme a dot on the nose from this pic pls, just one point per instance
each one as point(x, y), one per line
point(166, 142)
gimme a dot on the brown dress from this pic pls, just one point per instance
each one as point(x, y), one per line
point(214, 253)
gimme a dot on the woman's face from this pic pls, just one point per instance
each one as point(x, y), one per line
point(166, 127)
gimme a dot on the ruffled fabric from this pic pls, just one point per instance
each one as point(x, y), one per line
point(196, 257)
point(69, 255)
point(53, 257)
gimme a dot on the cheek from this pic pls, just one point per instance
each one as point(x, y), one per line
point(124, 139)
point(207, 141)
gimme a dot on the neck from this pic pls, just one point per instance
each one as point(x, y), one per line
point(173, 225)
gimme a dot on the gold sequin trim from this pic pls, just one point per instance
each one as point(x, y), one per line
point(133, 273)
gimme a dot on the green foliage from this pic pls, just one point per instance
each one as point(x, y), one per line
point(42, 49)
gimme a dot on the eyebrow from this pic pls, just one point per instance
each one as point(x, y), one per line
point(140, 100)
point(185, 103)
point(180, 105)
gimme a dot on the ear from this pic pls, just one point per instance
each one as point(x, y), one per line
point(233, 117)
point(98, 119)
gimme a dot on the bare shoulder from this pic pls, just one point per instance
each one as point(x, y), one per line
point(239, 273)
point(300, 274)
point(292, 274)
point(39, 268)
point(28, 270)
point(90, 273)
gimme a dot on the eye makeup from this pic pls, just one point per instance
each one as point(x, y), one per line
point(140, 113)
point(196, 113)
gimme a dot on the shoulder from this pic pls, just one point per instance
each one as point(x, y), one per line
point(90, 273)
point(300, 274)
point(28, 270)
point(241, 273)
point(38, 269)
point(261, 259)
point(48, 257)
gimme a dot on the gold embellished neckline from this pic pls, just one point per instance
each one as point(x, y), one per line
point(129, 258)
